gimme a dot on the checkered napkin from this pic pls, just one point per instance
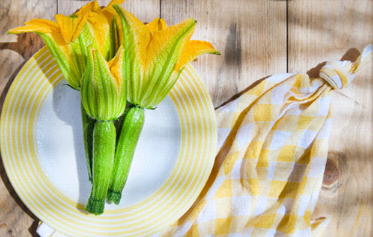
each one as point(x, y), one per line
point(272, 150)
point(273, 145)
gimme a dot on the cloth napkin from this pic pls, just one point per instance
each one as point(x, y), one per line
point(272, 151)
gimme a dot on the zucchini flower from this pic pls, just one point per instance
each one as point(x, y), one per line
point(85, 46)
point(68, 39)
point(103, 89)
point(101, 30)
point(104, 99)
point(66, 43)
point(154, 57)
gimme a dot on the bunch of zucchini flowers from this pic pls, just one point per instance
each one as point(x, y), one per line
point(121, 67)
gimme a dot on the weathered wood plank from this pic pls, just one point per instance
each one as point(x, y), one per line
point(15, 49)
point(335, 30)
point(15, 218)
point(145, 10)
point(251, 36)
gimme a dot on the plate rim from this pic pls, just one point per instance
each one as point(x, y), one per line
point(13, 88)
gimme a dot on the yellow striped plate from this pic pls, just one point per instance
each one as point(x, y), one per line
point(41, 146)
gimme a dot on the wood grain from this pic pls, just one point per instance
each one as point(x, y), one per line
point(15, 218)
point(250, 35)
point(334, 30)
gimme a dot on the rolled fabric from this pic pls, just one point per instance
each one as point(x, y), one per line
point(340, 74)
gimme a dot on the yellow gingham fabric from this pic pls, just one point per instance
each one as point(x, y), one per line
point(272, 150)
point(273, 145)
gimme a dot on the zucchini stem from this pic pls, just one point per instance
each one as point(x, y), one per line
point(128, 138)
point(104, 138)
point(88, 125)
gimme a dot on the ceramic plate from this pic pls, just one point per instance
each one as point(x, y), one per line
point(42, 150)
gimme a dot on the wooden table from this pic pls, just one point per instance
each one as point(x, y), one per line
point(256, 39)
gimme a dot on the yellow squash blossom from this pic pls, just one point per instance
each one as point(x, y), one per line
point(103, 97)
point(155, 56)
point(101, 30)
point(103, 89)
point(68, 37)
point(85, 46)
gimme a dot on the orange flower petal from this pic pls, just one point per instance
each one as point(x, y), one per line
point(92, 6)
point(100, 27)
point(161, 38)
point(115, 66)
point(109, 7)
point(71, 27)
point(36, 25)
point(192, 50)
point(157, 25)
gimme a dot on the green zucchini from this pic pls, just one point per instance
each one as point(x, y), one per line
point(104, 139)
point(128, 138)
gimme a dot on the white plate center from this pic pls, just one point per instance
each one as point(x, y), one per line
point(61, 152)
